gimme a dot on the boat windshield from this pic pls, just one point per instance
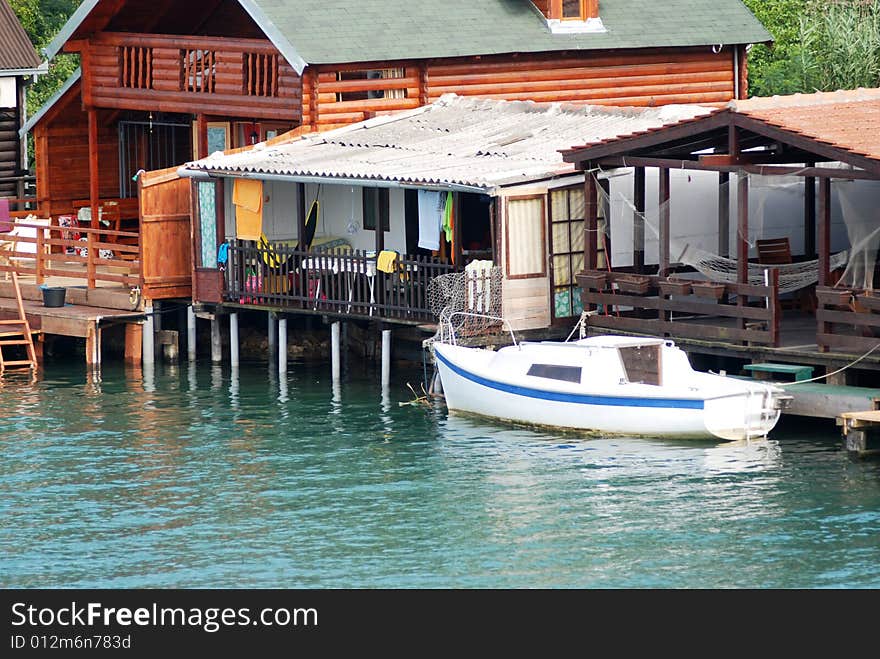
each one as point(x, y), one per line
point(556, 372)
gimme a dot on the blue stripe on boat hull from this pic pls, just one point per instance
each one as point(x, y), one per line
point(610, 401)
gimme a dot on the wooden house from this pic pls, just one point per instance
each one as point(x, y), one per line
point(163, 83)
point(19, 64)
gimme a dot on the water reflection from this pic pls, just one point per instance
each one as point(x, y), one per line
point(267, 481)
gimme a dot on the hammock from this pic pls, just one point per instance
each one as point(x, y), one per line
point(792, 276)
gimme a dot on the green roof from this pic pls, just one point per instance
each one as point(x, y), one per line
point(335, 31)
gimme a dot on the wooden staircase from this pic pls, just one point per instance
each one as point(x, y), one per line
point(17, 332)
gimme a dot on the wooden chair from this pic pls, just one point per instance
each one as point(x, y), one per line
point(774, 251)
point(777, 251)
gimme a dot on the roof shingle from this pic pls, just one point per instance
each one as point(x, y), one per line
point(16, 51)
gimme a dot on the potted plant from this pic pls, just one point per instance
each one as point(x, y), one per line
point(869, 300)
point(671, 286)
point(592, 279)
point(637, 284)
point(710, 289)
point(834, 297)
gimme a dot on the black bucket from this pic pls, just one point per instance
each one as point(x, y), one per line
point(53, 296)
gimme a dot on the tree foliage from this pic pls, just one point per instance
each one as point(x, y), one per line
point(820, 45)
point(42, 19)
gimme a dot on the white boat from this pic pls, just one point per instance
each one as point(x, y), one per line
point(606, 384)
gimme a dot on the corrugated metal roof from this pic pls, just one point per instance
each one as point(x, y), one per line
point(16, 51)
point(847, 120)
point(456, 142)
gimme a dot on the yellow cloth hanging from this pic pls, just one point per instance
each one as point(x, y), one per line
point(386, 260)
point(247, 195)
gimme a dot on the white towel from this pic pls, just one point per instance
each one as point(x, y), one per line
point(430, 218)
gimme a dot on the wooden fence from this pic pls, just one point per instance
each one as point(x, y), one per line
point(660, 306)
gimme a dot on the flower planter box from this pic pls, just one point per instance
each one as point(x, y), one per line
point(869, 301)
point(592, 279)
point(708, 289)
point(637, 284)
point(675, 287)
point(836, 297)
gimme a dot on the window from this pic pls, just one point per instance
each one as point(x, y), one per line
point(573, 10)
point(641, 363)
point(208, 223)
point(376, 204)
point(526, 247)
point(555, 372)
point(370, 84)
point(567, 249)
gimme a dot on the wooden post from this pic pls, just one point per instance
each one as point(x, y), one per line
point(663, 267)
point(639, 219)
point(202, 126)
point(93, 346)
point(94, 188)
point(723, 214)
point(134, 336)
point(775, 307)
point(90, 260)
point(742, 235)
point(810, 214)
point(824, 231)
point(591, 222)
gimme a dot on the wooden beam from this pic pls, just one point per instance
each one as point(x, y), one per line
point(723, 213)
point(94, 189)
point(824, 231)
point(663, 200)
point(810, 215)
point(639, 219)
point(133, 343)
point(591, 222)
point(761, 170)
point(202, 126)
point(742, 230)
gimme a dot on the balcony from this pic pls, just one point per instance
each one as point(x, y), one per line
point(240, 77)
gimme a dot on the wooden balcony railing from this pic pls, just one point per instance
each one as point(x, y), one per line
point(346, 284)
point(848, 320)
point(658, 306)
point(43, 252)
point(236, 77)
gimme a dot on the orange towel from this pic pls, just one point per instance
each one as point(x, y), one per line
point(247, 195)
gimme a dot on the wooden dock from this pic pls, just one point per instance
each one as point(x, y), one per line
point(84, 314)
point(861, 431)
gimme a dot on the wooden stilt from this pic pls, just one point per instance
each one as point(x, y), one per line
point(134, 336)
point(233, 340)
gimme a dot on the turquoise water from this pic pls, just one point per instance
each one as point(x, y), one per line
point(196, 478)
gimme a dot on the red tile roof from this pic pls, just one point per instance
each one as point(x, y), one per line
point(847, 120)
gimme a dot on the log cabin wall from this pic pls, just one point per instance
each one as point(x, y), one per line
point(335, 95)
point(61, 145)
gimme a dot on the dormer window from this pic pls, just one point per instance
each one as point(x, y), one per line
point(574, 10)
point(571, 16)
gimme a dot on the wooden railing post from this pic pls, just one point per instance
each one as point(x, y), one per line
point(775, 308)
point(41, 238)
point(90, 260)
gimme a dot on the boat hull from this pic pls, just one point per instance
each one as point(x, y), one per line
point(472, 389)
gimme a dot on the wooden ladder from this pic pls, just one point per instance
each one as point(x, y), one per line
point(17, 332)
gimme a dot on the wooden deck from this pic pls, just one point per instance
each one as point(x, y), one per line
point(84, 313)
